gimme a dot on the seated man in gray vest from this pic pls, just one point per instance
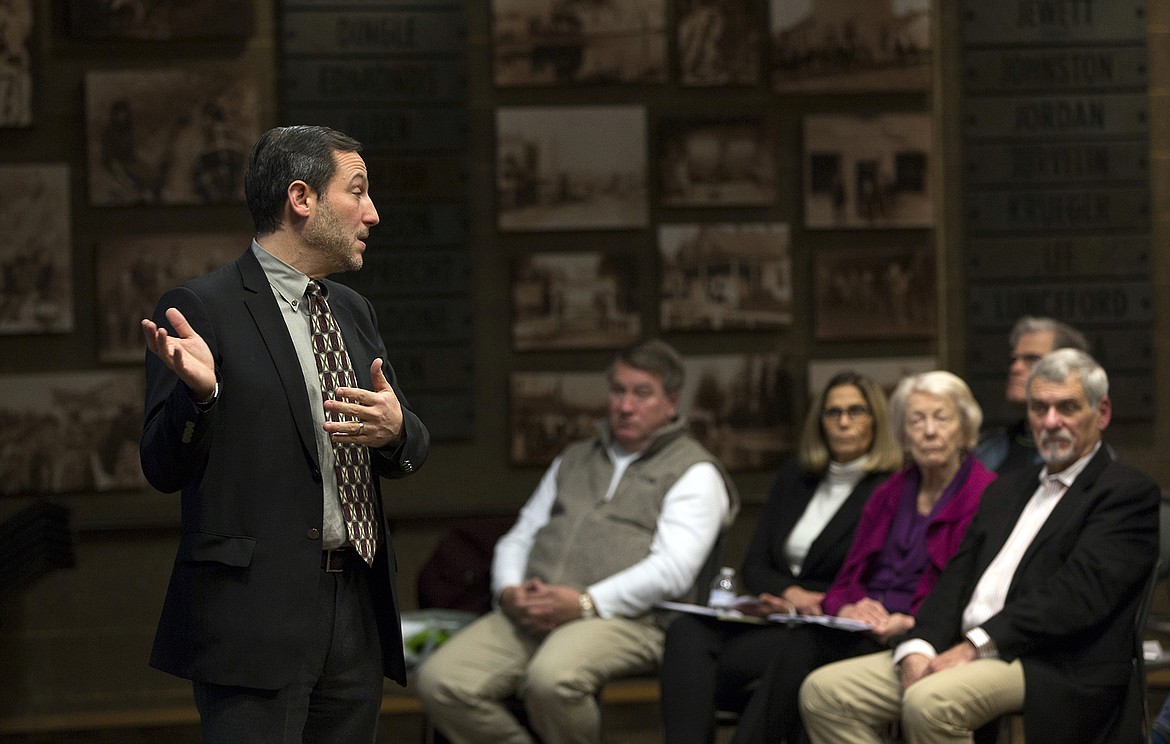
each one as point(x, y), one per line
point(619, 522)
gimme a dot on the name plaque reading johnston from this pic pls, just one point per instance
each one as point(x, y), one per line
point(1122, 114)
point(1058, 163)
point(1055, 69)
point(1054, 21)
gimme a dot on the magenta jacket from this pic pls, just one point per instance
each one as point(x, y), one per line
point(943, 536)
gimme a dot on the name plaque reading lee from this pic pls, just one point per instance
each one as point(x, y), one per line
point(1123, 114)
point(375, 81)
point(1055, 69)
point(1059, 257)
point(1053, 21)
point(397, 129)
point(1065, 163)
point(1045, 211)
point(1078, 303)
point(403, 32)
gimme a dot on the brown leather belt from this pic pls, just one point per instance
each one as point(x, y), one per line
point(339, 560)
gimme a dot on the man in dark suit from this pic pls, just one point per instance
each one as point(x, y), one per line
point(271, 406)
point(1036, 612)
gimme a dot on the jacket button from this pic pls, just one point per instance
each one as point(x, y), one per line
point(313, 534)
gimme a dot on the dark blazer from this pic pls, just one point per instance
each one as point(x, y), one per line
point(243, 589)
point(1071, 607)
point(765, 569)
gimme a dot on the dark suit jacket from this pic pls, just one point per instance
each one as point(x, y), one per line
point(1071, 607)
point(243, 589)
point(765, 569)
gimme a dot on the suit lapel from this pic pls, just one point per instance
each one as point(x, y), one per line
point(843, 522)
point(272, 328)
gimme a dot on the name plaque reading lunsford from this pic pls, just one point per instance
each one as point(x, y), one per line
point(1078, 303)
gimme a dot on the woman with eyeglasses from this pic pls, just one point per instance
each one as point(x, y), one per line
point(846, 449)
point(909, 529)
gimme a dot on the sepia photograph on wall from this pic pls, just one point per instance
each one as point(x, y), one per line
point(874, 293)
point(887, 372)
point(740, 407)
point(725, 276)
point(36, 255)
point(550, 410)
point(575, 301)
point(67, 432)
point(178, 136)
point(571, 168)
point(719, 41)
point(133, 272)
point(16, 24)
point(867, 172)
point(160, 19)
point(578, 42)
point(846, 45)
point(711, 163)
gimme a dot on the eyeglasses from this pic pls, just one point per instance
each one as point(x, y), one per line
point(1029, 360)
point(853, 412)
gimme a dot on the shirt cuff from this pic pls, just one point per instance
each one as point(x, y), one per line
point(913, 646)
point(985, 647)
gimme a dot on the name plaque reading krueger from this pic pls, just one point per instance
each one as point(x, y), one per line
point(1045, 211)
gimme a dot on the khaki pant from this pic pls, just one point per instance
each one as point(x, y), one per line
point(463, 683)
point(854, 701)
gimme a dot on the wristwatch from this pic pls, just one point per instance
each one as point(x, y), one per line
point(586, 604)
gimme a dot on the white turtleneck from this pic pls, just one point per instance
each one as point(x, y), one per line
point(836, 485)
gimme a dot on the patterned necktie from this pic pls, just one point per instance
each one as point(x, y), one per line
point(352, 461)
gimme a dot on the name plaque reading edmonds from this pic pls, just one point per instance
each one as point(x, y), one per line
point(398, 272)
point(1054, 257)
point(402, 32)
point(1053, 21)
point(1121, 115)
point(1078, 303)
point(1044, 211)
point(1061, 162)
point(370, 81)
point(395, 129)
point(1055, 69)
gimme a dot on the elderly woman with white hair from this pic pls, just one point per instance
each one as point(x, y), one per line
point(909, 529)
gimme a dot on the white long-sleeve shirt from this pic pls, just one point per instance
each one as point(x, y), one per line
point(693, 512)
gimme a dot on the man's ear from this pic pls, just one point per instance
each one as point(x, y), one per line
point(300, 198)
point(1105, 413)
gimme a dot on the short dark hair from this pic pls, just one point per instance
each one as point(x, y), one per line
point(286, 154)
point(656, 357)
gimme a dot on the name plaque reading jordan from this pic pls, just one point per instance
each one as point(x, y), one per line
point(398, 129)
point(1124, 114)
point(1053, 21)
point(1058, 163)
point(1043, 211)
point(375, 81)
point(1078, 303)
point(1055, 69)
point(1059, 257)
point(402, 32)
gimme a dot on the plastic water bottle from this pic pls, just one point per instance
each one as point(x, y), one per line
point(723, 589)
